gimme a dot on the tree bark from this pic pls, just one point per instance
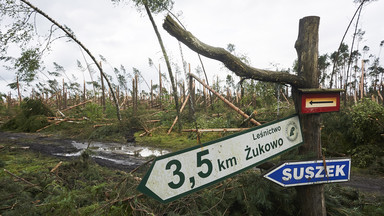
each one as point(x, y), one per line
point(102, 90)
point(230, 61)
point(18, 89)
point(174, 87)
point(311, 198)
point(160, 88)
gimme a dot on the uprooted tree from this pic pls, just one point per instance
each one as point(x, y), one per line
point(311, 198)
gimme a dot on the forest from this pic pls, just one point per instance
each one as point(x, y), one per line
point(82, 148)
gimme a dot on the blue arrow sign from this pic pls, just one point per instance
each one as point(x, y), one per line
point(311, 172)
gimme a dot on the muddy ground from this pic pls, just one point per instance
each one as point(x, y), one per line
point(121, 160)
point(66, 150)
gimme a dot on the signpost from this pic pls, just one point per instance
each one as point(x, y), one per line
point(180, 173)
point(320, 100)
point(310, 172)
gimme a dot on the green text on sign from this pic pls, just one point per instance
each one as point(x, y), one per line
point(180, 173)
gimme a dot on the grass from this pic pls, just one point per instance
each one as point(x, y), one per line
point(77, 187)
point(81, 187)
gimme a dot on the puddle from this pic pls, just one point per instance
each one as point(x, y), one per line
point(112, 151)
point(117, 148)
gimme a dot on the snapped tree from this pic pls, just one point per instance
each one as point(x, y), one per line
point(312, 201)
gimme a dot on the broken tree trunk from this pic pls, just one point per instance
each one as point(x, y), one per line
point(76, 105)
point(311, 198)
point(230, 61)
point(238, 110)
point(102, 90)
point(215, 130)
point(18, 89)
point(181, 110)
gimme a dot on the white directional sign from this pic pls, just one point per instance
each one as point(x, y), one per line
point(180, 173)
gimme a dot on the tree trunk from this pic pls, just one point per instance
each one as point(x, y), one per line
point(151, 98)
point(230, 61)
point(102, 90)
point(238, 110)
point(191, 100)
point(133, 97)
point(160, 88)
point(311, 198)
point(174, 87)
point(18, 89)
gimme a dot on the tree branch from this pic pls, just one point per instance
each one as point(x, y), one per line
point(230, 61)
point(73, 37)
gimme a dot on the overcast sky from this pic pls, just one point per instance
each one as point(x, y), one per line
point(263, 30)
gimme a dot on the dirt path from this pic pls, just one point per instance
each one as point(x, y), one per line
point(368, 184)
point(59, 147)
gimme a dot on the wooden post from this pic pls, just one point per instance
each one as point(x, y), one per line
point(311, 198)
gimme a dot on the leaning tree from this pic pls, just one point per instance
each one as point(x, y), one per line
point(21, 32)
point(311, 198)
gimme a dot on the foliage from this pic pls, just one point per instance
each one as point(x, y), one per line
point(19, 31)
point(28, 64)
point(156, 6)
point(93, 111)
point(343, 201)
point(79, 187)
point(367, 122)
point(32, 116)
point(356, 132)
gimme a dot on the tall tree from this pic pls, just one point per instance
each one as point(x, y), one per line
point(323, 64)
point(339, 59)
point(174, 87)
point(156, 6)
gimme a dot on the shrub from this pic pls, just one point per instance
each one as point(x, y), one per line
point(93, 111)
point(32, 116)
point(367, 122)
point(355, 132)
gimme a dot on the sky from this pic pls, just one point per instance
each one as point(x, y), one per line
point(264, 31)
